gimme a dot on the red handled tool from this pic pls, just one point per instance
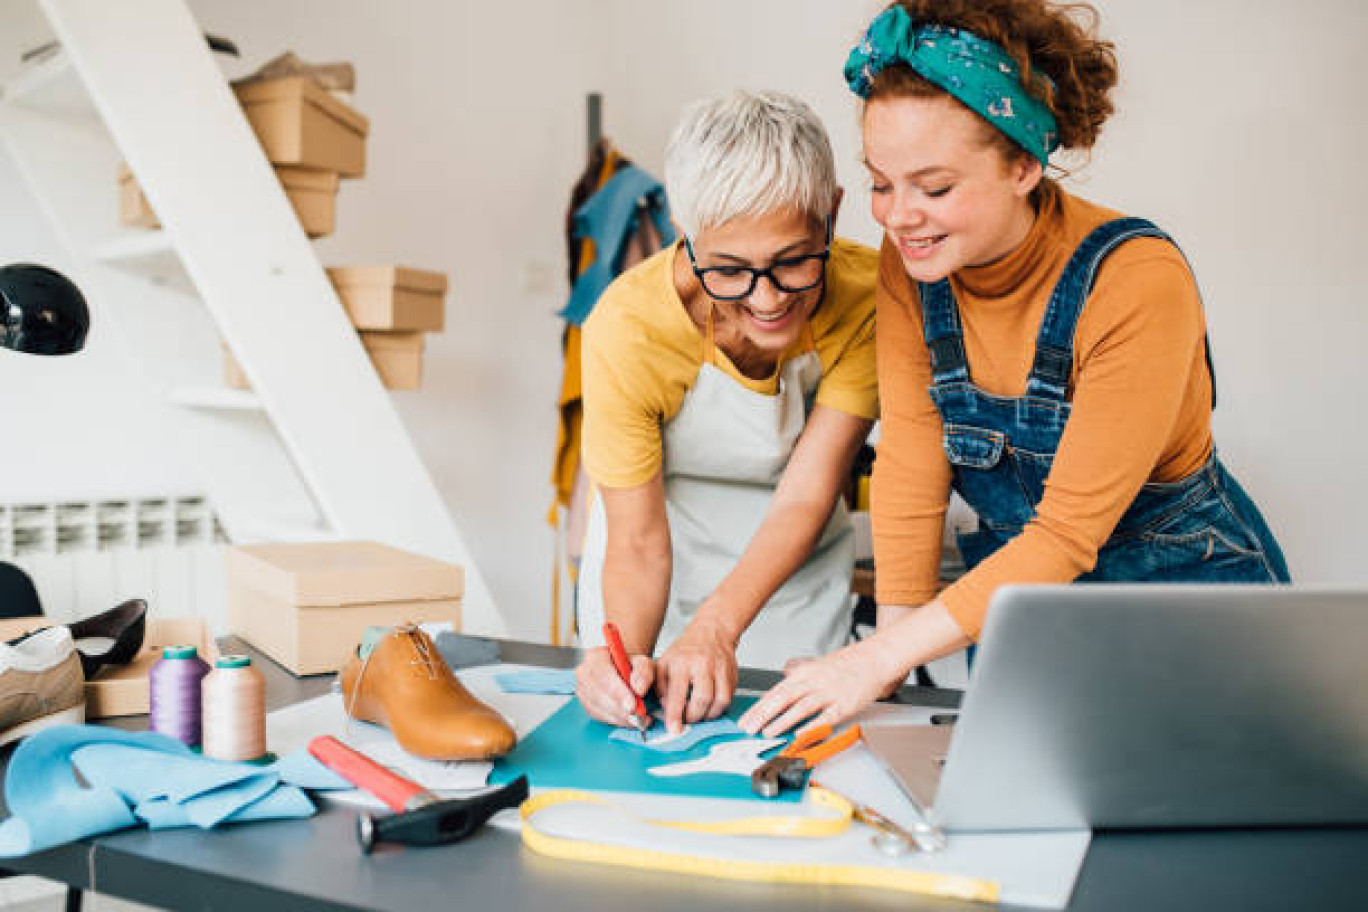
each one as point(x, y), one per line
point(788, 768)
point(618, 653)
point(420, 817)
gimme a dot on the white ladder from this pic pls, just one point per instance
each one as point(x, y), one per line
point(317, 450)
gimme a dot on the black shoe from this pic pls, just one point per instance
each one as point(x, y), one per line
point(112, 638)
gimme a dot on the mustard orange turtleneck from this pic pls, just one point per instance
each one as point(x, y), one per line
point(1140, 389)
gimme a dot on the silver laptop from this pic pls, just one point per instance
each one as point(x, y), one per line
point(1152, 706)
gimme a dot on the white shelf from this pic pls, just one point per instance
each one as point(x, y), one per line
point(151, 254)
point(50, 86)
point(136, 247)
point(217, 397)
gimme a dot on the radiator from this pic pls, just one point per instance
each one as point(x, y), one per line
point(88, 556)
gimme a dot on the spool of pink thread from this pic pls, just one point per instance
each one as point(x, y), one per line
point(234, 710)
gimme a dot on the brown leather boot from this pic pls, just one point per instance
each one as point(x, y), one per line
point(404, 685)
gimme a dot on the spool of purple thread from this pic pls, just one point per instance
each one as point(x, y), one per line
point(173, 686)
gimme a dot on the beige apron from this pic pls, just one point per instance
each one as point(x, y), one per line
point(723, 456)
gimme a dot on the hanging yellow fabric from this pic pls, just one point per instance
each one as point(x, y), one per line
point(568, 432)
point(928, 883)
point(566, 464)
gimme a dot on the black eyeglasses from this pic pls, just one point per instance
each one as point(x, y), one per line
point(791, 274)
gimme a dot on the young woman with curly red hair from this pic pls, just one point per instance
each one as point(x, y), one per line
point(1041, 355)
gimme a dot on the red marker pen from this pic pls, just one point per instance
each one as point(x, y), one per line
point(618, 653)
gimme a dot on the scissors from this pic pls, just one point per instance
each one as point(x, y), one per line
point(787, 768)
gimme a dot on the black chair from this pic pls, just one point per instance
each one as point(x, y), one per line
point(18, 597)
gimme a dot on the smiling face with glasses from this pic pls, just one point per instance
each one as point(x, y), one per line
point(761, 276)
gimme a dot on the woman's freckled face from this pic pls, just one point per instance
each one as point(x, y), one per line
point(946, 198)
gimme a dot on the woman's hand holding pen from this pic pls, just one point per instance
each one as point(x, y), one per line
point(602, 692)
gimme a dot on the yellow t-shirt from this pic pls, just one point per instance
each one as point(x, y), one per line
point(642, 353)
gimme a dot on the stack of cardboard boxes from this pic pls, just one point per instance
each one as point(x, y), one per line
point(391, 308)
point(313, 194)
point(306, 605)
point(313, 139)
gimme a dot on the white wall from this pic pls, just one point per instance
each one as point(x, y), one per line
point(1244, 145)
point(78, 432)
point(666, 55)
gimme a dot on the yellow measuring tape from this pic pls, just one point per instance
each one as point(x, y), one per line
point(947, 885)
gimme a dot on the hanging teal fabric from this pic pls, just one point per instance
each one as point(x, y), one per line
point(609, 219)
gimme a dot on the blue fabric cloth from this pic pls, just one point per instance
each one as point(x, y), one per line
point(140, 777)
point(1201, 529)
point(722, 727)
point(976, 71)
point(551, 681)
point(608, 218)
point(460, 650)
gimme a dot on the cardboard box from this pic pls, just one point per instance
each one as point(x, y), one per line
point(134, 209)
point(391, 297)
point(299, 123)
point(313, 194)
point(121, 690)
point(307, 605)
point(233, 375)
point(397, 356)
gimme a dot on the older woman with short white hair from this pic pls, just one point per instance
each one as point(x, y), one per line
point(728, 383)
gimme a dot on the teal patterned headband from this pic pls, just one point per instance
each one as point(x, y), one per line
point(974, 70)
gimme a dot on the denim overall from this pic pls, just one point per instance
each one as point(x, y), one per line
point(1202, 529)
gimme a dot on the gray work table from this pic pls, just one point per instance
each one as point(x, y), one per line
point(316, 864)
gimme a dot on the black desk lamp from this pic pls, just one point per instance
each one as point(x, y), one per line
point(42, 312)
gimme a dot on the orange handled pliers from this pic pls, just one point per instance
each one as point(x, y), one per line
point(787, 768)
